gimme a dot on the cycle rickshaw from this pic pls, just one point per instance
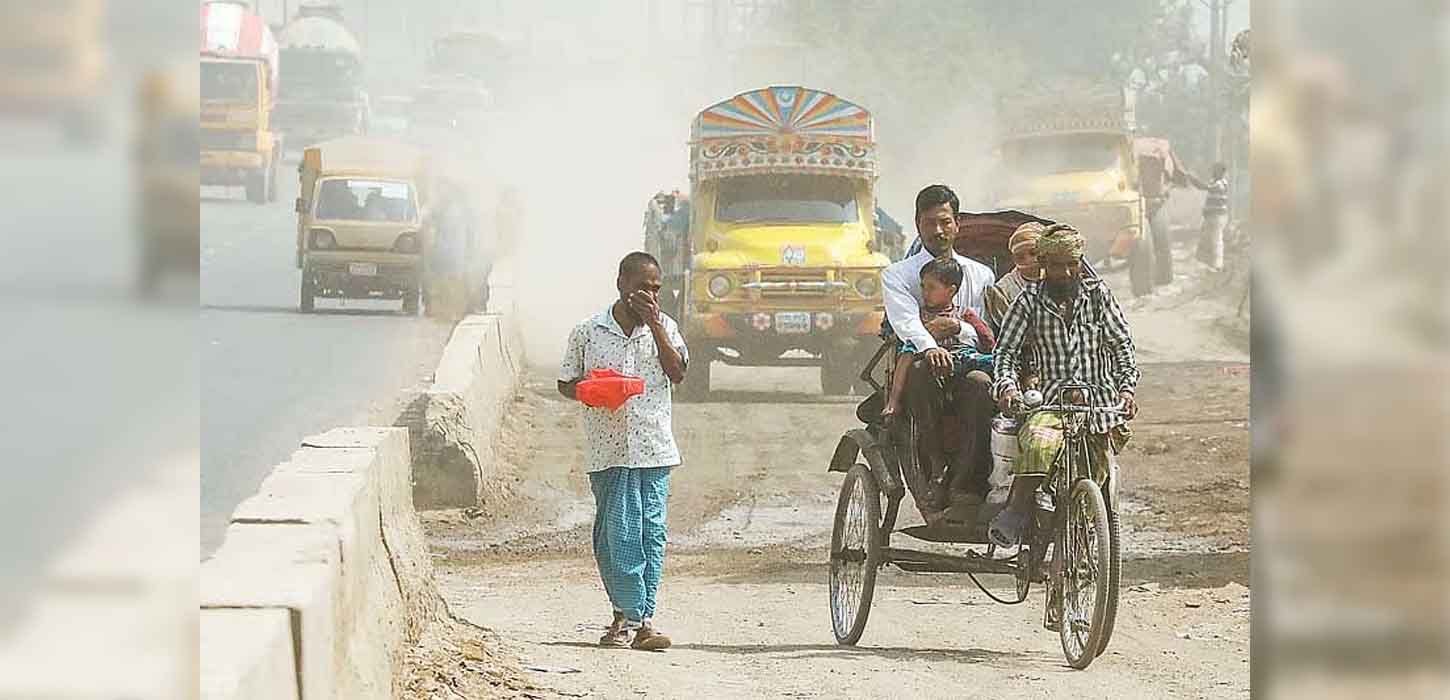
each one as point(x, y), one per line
point(1073, 547)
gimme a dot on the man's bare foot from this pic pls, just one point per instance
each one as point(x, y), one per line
point(648, 638)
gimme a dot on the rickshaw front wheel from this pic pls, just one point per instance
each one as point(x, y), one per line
point(1087, 583)
point(855, 554)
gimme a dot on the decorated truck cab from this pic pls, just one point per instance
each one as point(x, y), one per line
point(784, 265)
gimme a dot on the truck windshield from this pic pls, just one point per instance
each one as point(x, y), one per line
point(350, 199)
point(228, 82)
point(787, 199)
point(1065, 153)
point(309, 74)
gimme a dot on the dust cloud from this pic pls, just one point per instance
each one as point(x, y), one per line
point(599, 120)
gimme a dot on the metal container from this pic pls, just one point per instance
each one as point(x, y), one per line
point(1004, 455)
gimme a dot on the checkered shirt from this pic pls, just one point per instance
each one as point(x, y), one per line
point(1095, 349)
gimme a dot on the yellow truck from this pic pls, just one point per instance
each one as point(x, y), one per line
point(783, 263)
point(1068, 155)
point(360, 222)
point(239, 77)
point(54, 55)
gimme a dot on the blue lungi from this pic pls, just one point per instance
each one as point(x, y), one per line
point(629, 535)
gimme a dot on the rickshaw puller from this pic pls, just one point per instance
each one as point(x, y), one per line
point(1080, 335)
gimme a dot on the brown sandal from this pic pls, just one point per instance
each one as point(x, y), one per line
point(616, 636)
point(650, 639)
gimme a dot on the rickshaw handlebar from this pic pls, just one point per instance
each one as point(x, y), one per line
point(1117, 410)
point(1022, 410)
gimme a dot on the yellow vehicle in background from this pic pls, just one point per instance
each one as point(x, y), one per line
point(54, 55)
point(1068, 156)
point(360, 222)
point(239, 76)
point(783, 266)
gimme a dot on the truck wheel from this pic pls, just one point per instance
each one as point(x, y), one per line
point(696, 386)
point(1140, 266)
point(1162, 247)
point(307, 291)
point(412, 302)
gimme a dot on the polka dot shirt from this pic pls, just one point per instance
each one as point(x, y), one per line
point(639, 433)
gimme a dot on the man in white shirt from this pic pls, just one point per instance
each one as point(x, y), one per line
point(937, 374)
point(632, 450)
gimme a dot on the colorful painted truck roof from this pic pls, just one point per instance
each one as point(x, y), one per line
point(1067, 108)
point(783, 129)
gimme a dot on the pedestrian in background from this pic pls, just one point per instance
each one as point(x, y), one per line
point(1215, 217)
point(631, 451)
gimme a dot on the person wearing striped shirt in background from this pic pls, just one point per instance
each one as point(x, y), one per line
point(1215, 217)
point(1077, 333)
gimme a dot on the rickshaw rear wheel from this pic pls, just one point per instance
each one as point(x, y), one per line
point(1086, 573)
point(855, 554)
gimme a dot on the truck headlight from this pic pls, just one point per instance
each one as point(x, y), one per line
point(406, 243)
point(867, 286)
point(322, 239)
point(720, 286)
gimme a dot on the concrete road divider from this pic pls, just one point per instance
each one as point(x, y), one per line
point(481, 366)
point(331, 540)
point(247, 653)
point(323, 580)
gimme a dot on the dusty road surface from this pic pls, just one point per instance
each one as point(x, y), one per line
point(274, 375)
point(744, 594)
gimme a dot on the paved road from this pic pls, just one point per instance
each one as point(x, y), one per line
point(750, 517)
point(270, 375)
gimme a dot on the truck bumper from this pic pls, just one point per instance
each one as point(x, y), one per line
point(361, 275)
point(761, 338)
point(230, 167)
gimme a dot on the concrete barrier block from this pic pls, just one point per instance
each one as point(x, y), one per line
point(330, 460)
point(247, 655)
point(373, 438)
point(476, 376)
point(290, 567)
point(405, 552)
point(370, 623)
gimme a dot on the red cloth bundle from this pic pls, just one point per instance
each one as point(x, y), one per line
point(607, 388)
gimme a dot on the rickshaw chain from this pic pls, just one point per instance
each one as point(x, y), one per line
point(993, 597)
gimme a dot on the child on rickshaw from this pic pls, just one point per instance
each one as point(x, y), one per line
point(940, 280)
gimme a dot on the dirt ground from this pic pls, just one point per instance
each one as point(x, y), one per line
point(744, 595)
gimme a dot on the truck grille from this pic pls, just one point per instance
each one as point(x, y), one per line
point(794, 284)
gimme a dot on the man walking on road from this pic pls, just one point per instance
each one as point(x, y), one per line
point(631, 450)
